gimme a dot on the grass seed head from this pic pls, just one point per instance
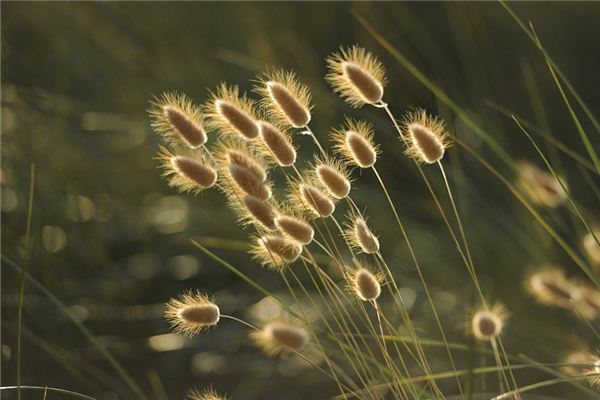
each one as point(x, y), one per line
point(361, 236)
point(591, 246)
point(247, 182)
point(187, 171)
point(260, 211)
point(357, 76)
point(550, 286)
point(191, 313)
point(488, 324)
point(427, 137)
point(541, 187)
point(177, 120)
point(588, 302)
point(278, 336)
point(334, 177)
point(207, 394)
point(295, 228)
point(365, 284)
point(354, 143)
point(275, 251)
point(285, 99)
point(278, 144)
point(317, 201)
point(228, 112)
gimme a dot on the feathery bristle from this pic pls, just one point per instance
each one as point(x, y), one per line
point(334, 177)
point(576, 363)
point(426, 136)
point(278, 144)
point(191, 313)
point(247, 182)
point(365, 284)
point(286, 100)
point(274, 251)
point(488, 324)
point(591, 246)
point(541, 187)
point(550, 286)
point(315, 200)
point(361, 237)
point(187, 171)
point(176, 119)
point(354, 143)
point(260, 211)
point(278, 336)
point(357, 76)
point(228, 112)
point(233, 151)
point(295, 228)
point(207, 394)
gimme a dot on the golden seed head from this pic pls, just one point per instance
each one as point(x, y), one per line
point(285, 99)
point(246, 181)
point(191, 313)
point(357, 76)
point(279, 336)
point(334, 177)
point(295, 228)
point(316, 200)
point(365, 284)
point(354, 143)
point(426, 136)
point(207, 394)
point(275, 251)
point(588, 302)
point(187, 171)
point(488, 324)
point(230, 112)
point(541, 187)
point(550, 286)
point(362, 237)
point(591, 246)
point(262, 212)
point(177, 120)
point(278, 144)
point(578, 360)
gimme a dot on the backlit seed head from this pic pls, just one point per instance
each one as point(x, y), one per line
point(310, 197)
point(191, 313)
point(365, 284)
point(550, 286)
point(591, 247)
point(295, 228)
point(278, 336)
point(229, 112)
point(594, 372)
point(228, 152)
point(277, 144)
point(588, 302)
point(580, 363)
point(261, 211)
point(356, 75)
point(177, 120)
point(246, 182)
point(488, 324)
point(426, 136)
point(275, 251)
point(285, 99)
point(541, 187)
point(333, 176)
point(354, 143)
point(187, 171)
point(207, 394)
point(360, 236)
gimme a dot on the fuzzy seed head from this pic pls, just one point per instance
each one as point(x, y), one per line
point(550, 286)
point(285, 99)
point(260, 211)
point(187, 171)
point(242, 157)
point(578, 360)
point(177, 120)
point(588, 302)
point(488, 324)
point(426, 136)
point(230, 112)
point(365, 284)
point(363, 237)
point(246, 181)
point(275, 251)
point(541, 187)
point(191, 313)
point(279, 336)
point(316, 200)
point(591, 247)
point(357, 76)
point(207, 394)
point(295, 229)
point(334, 179)
point(354, 142)
point(278, 144)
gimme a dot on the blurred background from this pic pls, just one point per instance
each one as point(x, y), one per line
point(112, 241)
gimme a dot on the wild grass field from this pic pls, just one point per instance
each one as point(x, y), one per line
point(300, 200)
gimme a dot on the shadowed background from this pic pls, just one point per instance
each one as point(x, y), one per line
point(111, 240)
